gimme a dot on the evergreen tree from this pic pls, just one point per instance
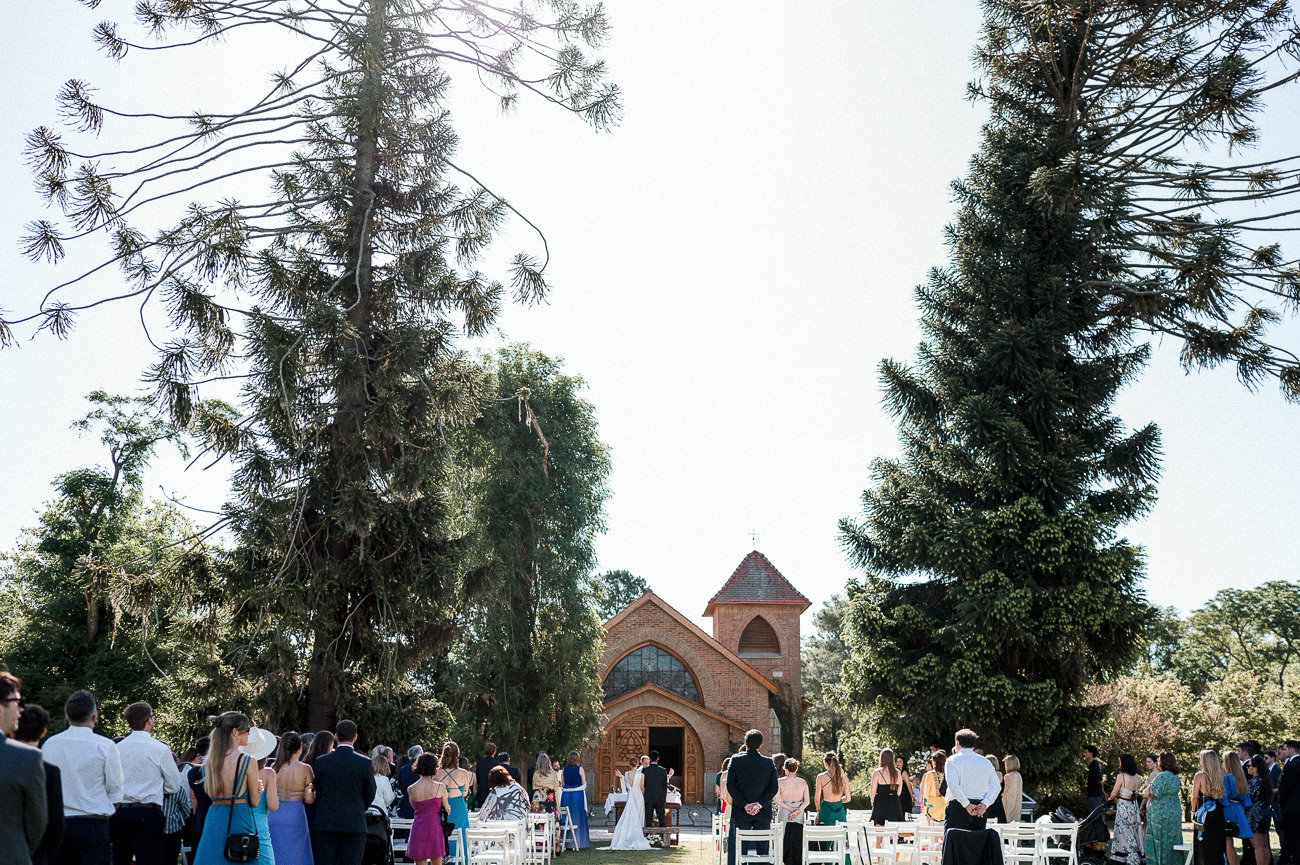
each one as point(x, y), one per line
point(525, 673)
point(826, 722)
point(998, 585)
point(110, 592)
point(359, 261)
point(616, 589)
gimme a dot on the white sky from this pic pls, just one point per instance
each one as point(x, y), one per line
point(729, 266)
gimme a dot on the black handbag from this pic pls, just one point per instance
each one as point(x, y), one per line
point(240, 846)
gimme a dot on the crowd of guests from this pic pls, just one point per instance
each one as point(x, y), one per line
point(79, 798)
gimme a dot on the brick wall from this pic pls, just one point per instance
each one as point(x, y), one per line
point(730, 621)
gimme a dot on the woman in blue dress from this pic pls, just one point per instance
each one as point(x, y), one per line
point(575, 799)
point(1236, 799)
point(290, 837)
point(231, 781)
point(456, 780)
point(268, 804)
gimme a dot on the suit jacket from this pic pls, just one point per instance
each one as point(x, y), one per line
point(656, 783)
point(405, 778)
point(751, 777)
point(49, 848)
point(1288, 789)
point(23, 813)
point(345, 787)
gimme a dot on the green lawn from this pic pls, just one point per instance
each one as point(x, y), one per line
point(694, 850)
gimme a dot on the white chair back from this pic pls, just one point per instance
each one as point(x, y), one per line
point(750, 844)
point(836, 838)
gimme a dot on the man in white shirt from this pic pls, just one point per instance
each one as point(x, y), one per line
point(92, 783)
point(148, 774)
point(972, 784)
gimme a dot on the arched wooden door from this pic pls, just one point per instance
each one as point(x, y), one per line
point(628, 736)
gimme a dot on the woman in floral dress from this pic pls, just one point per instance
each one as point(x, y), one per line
point(1164, 814)
point(1129, 844)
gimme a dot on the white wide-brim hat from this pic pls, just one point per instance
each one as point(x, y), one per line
point(260, 743)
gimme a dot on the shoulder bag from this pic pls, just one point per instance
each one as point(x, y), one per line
point(240, 846)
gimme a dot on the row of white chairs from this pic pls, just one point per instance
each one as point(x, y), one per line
point(904, 843)
point(500, 842)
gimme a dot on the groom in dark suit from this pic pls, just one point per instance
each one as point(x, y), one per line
point(656, 790)
point(345, 787)
point(751, 782)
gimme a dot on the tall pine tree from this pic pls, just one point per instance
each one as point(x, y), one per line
point(998, 585)
point(337, 294)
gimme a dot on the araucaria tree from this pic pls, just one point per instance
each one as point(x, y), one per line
point(337, 291)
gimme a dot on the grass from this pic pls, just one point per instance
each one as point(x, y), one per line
point(693, 850)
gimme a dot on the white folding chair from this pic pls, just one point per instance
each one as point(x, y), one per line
point(749, 844)
point(835, 837)
point(927, 844)
point(881, 844)
point(1185, 848)
point(540, 843)
point(1052, 834)
point(399, 832)
point(515, 831)
point(488, 846)
point(568, 832)
point(1019, 843)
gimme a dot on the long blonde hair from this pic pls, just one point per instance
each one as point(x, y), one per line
point(839, 781)
point(1232, 765)
point(1212, 767)
point(222, 739)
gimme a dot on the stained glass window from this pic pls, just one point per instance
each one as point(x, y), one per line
point(650, 665)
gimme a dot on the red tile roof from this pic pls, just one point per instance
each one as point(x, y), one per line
point(757, 581)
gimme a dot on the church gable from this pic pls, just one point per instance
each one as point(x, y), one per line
point(725, 683)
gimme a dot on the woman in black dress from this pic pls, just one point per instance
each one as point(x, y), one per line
point(886, 785)
point(996, 813)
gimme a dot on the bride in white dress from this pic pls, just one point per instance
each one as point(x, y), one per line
point(628, 834)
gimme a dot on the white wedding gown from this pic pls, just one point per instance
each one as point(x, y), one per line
point(628, 834)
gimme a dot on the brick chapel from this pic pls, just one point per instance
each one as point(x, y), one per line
point(691, 696)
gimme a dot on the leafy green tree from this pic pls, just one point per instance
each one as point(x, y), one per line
point(823, 656)
point(111, 592)
point(525, 672)
point(616, 589)
point(1256, 631)
point(337, 295)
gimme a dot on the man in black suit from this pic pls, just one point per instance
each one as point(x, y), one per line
point(751, 783)
point(1288, 796)
point(32, 724)
point(655, 791)
point(23, 813)
point(481, 770)
point(345, 787)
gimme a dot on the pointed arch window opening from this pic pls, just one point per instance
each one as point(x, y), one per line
point(651, 665)
point(759, 638)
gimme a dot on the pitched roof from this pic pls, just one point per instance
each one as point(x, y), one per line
point(757, 581)
point(651, 598)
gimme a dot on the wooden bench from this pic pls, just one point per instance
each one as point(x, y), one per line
point(666, 833)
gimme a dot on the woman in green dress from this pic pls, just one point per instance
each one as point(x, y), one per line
point(1164, 814)
point(832, 794)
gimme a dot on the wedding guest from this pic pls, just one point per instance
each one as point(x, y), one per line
point(752, 783)
point(426, 842)
point(482, 768)
point(24, 805)
point(792, 800)
point(507, 799)
point(886, 787)
point(719, 786)
point(345, 785)
point(321, 743)
point(1260, 814)
point(1129, 839)
point(199, 798)
point(1094, 790)
point(32, 727)
point(1210, 843)
point(972, 784)
point(178, 806)
point(1234, 802)
point(290, 835)
point(933, 801)
point(1013, 788)
point(831, 792)
point(1288, 799)
point(1164, 814)
point(512, 769)
point(230, 779)
point(905, 791)
point(405, 778)
point(574, 797)
point(385, 795)
point(778, 760)
point(92, 783)
point(457, 782)
point(149, 774)
point(996, 813)
point(259, 746)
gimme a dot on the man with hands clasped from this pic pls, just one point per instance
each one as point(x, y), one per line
point(972, 784)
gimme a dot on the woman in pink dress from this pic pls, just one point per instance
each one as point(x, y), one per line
point(428, 798)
